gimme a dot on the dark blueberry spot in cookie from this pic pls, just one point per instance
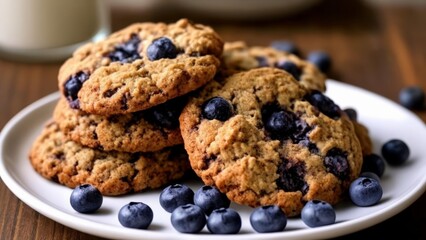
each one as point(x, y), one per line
point(280, 123)
point(72, 86)
point(217, 108)
point(124, 100)
point(166, 115)
point(310, 145)
point(207, 160)
point(291, 176)
point(262, 61)
point(109, 93)
point(336, 162)
point(60, 156)
point(289, 67)
point(324, 104)
point(126, 52)
point(161, 48)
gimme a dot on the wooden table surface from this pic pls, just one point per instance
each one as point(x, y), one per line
point(381, 48)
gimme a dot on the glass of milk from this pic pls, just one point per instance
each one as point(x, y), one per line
point(50, 30)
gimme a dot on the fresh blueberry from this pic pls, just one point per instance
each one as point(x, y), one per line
point(176, 195)
point(161, 48)
point(395, 152)
point(280, 123)
point(188, 218)
point(286, 46)
point(352, 114)
point(370, 175)
point(217, 108)
point(86, 199)
point(373, 163)
point(320, 59)
point(290, 67)
point(365, 191)
point(324, 104)
point(224, 221)
point(135, 215)
point(126, 52)
point(269, 218)
point(72, 86)
point(336, 162)
point(210, 198)
point(318, 213)
point(412, 97)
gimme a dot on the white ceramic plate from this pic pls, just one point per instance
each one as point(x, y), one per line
point(385, 119)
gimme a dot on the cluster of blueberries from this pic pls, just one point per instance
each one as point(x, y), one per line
point(189, 210)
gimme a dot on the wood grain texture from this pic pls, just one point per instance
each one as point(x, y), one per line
point(380, 48)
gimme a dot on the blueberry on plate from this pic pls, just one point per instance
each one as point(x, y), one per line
point(320, 59)
point(210, 198)
point(188, 218)
point(217, 108)
point(86, 198)
point(135, 215)
point(412, 97)
point(224, 221)
point(365, 191)
point(373, 163)
point(176, 195)
point(370, 175)
point(269, 218)
point(395, 152)
point(161, 48)
point(318, 213)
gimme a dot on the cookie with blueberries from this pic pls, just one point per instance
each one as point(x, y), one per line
point(143, 131)
point(140, 66)
point(68, 163)
point(262, 138)
point(238, 56)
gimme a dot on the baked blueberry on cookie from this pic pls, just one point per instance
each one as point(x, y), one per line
point(114, 173)
point(238, 56)
point(262, 138)
point(140, 66)
point(143, 131)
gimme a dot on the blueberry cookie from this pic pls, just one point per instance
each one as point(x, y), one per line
point(237, 56)
point(140, 66)
point(113, 173)
point(143, 131)
point(262, 138)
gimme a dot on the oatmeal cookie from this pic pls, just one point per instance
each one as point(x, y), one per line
point(114, 173)
point(238, 56)
point(262, 138)
point(140, 66)
point(143, 131)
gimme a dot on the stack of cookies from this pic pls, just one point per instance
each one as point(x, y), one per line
point(116, 124)
point(154, 100)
